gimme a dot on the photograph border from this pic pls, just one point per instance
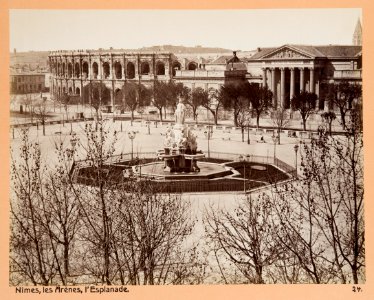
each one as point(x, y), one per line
point(299, 291)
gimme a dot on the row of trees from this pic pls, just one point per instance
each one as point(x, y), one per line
point(311, 230)
point(246, 100)
point(67, 233)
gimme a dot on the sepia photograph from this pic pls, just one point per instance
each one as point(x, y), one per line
point(185, 147)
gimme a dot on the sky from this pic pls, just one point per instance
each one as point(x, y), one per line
point(232, 29)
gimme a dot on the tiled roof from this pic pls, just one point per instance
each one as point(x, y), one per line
point(262, 52)
point(221, 60)
point(339, 51)
point(315, 51)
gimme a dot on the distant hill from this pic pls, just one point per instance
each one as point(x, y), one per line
point(31, 59)
point(184, 49)
point(34, 59)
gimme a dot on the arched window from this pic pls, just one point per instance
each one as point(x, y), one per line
point(70, 90)
point(160, 69)
point(106, 70)
point(176, 66)
point(145, 68)
point(85, 69)
point(118, 69)
point(130, 70)
point(95, 70)
point(63, 69)
point(70, 70)
point(118, 97)
point(192, 66)
point(77, 91)
point(59, 69)
point(77, 70)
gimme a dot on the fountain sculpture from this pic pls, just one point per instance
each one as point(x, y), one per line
point(180, 146)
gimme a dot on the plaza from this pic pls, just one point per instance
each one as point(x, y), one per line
point(170, 165)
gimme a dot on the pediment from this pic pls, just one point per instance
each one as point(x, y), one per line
point(286, 53)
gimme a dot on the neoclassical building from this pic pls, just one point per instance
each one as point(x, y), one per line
point(289, 69)
point(286, 70)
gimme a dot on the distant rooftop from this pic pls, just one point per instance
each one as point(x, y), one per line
point(327, 51)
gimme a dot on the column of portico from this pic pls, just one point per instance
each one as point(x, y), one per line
point(311, 76)
point(317, 82)
point(283, 88)
point(264, 77)
point(292, 83)
point(273, 87)
point(312, 84)
point(302, 83)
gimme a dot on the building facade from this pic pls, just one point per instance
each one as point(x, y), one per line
point(285, 70)
point(290, 69)
point(72, 71)
point(27, 82)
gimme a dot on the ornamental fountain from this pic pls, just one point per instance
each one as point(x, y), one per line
point(180, 147)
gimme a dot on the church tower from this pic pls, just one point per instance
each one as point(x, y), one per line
point(357, 35)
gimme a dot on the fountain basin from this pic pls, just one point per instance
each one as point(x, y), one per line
point(208, 170)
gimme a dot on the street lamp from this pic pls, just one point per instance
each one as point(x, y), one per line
point(208, 134)
point(296, 148)
point(138, 167)
point(244, 159)
point(132, 135)
point(274, 138)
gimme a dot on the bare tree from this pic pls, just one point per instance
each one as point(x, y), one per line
point(260, 99)
point(61, 213)
point(97, 95)
point(166, 94)
point(280, 120)
point(342, 95)
point(335, 167)
point(299, 234)
point(212, 102)
point(329, 117)
point(150, 245)
point(42, 112)
point(245, 237)
point(31, 258)
point(243, 117)
point(231, 96)
point(64, 101)
point(28, 101)
point(97, 205)
point(196, 99)
point(44, 219)
point(136, 96)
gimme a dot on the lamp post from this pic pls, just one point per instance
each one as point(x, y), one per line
point(274, 138)
point(132, 135)
point(296, 148)
point(208, 134)
point(138, 166)
point(248, 140)
point(244, 159)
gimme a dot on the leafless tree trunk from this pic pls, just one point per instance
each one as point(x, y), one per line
point(245, 237)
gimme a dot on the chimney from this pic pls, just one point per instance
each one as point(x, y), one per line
point(234, 53)
point(258, 49)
